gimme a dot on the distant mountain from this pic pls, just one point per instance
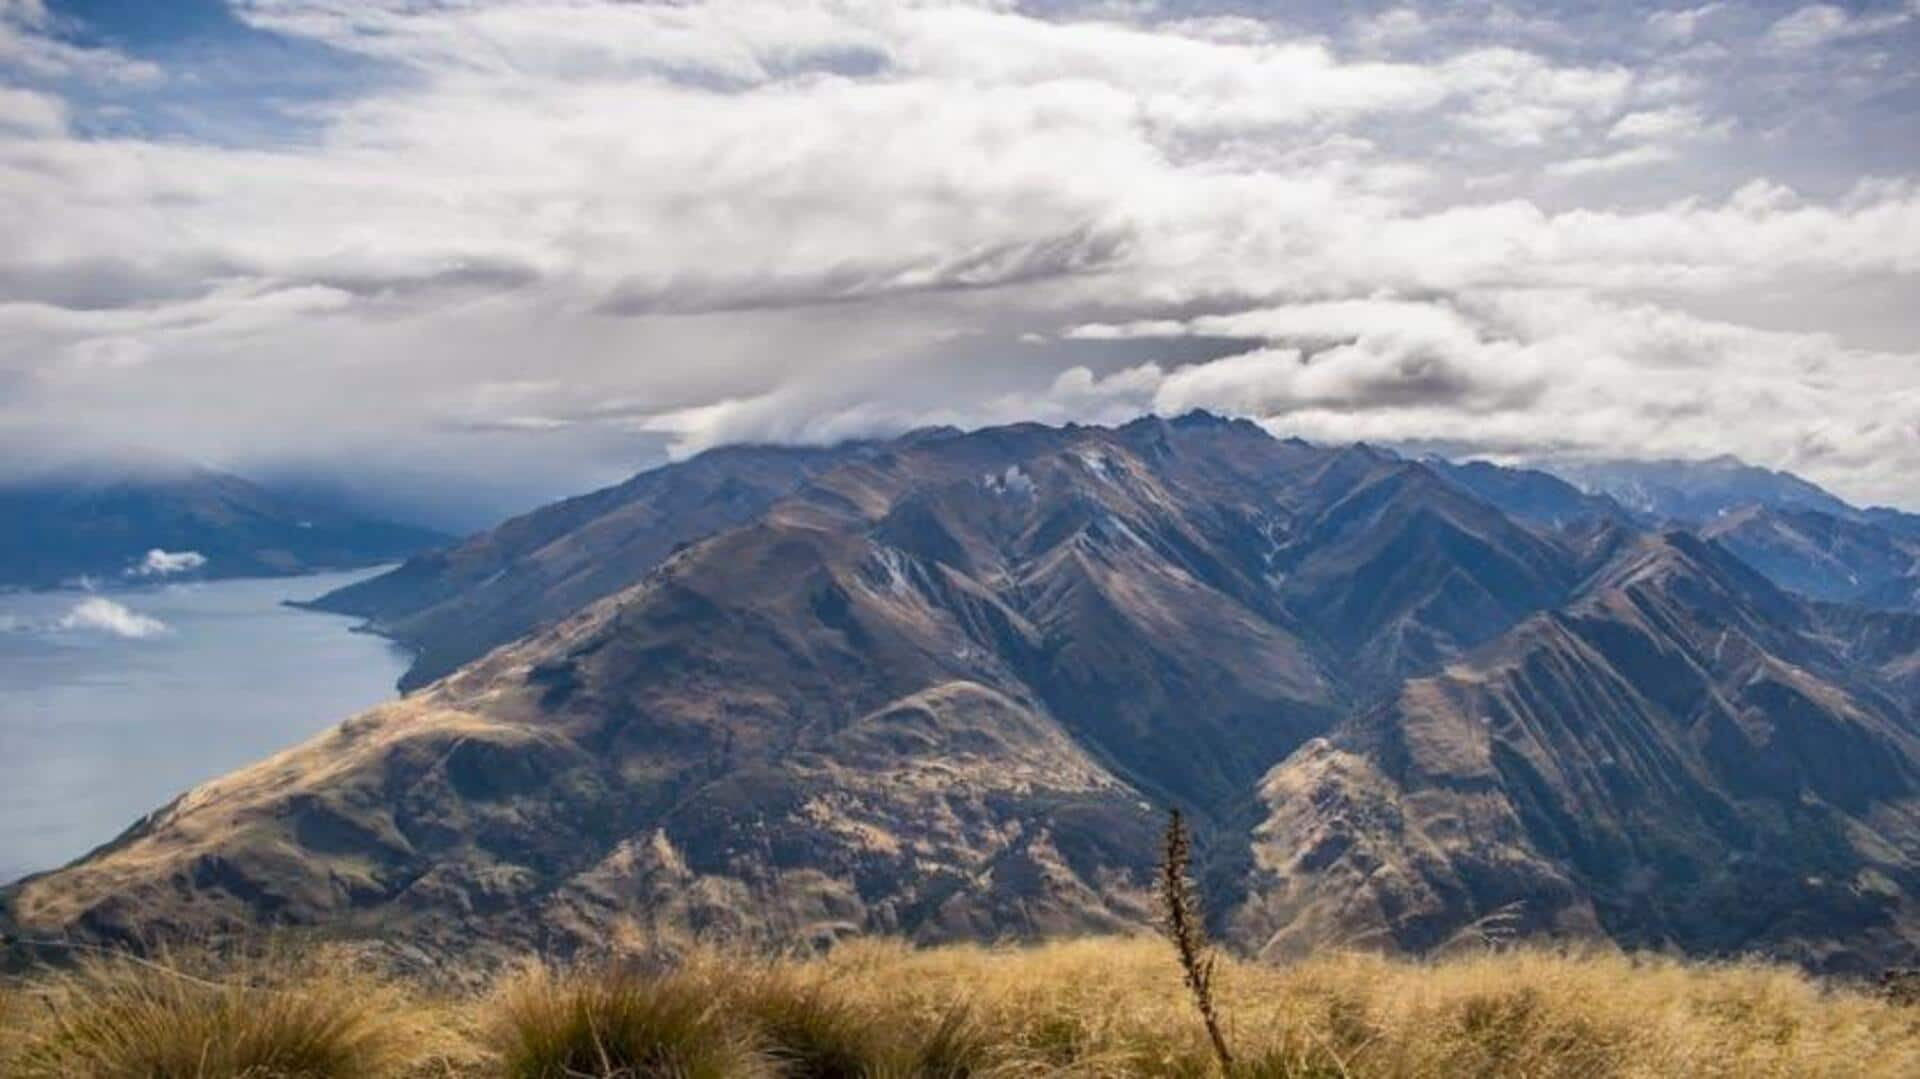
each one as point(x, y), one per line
point(1799, 535)
point(1904, 525)
point(1529, 494)
point(1818, 554)
point(943, 687)
point(1698, 491)
point(166, 521)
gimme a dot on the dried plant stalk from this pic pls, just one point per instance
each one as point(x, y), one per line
point(1185, 925)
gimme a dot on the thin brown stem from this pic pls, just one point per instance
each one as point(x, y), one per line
point(1184, 924)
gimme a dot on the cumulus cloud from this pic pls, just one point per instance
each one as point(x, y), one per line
point(97, 614)
point(556, 236)
point(1545, 374)
point(161, 563)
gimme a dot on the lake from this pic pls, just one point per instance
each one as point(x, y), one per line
point(113, 703)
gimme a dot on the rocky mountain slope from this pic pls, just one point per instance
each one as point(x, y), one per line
point(453, 605)
point(1798, 535)
point(1699, 491)
point(944, 686)
point(1674, 760)
point(1820, 555)
point(102, 524)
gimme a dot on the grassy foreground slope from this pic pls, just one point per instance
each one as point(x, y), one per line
point(1093, 1007)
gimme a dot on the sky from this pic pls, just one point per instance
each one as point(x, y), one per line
point(453, 257)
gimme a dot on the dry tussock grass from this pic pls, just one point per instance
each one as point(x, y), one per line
point(618, 1021)
point(1105, 1007)
point(1118, 1008)
point(264, 1015)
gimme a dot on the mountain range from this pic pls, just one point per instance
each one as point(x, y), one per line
point(1800, 536)
point(945, 685)
point(104, 524)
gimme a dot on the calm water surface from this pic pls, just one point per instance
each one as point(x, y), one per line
point(110, 705)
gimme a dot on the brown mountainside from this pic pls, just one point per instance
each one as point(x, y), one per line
point(1674, 760)
point(943, 687)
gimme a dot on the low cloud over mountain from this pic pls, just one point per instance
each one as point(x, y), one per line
point(549, 241)
point(106, 525)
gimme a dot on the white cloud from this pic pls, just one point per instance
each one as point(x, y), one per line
point(160, 563)
point(1680, 26)
point(97, 614)
point(1551, 372)
point(564, 229)
point(1821, 24)
point(1394, 26)
point(1663, 125)
point(106, 354)
point(28, 112)
point(1520, 99)
point(1617, 161)
point(29, 43)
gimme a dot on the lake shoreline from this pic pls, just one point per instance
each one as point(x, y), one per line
point(118, 700)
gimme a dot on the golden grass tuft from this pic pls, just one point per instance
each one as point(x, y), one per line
point(1087, 1008)
point(619, 1022)
point(1118, 1007)
point(12, 1020)
point(268, 1015)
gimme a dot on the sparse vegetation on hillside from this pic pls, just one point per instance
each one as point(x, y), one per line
point(1094, 1007)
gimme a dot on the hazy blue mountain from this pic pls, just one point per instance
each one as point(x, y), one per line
point(1801, 536)
point(1819, 554)
point(1698, 491)
point(1895, 521)
point(1529, 494)
point(108, 525)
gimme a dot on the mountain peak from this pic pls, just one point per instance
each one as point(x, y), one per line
point(1200, 417)
point(936, 686)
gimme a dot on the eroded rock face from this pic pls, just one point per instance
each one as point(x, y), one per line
point(1671, 761)
point(944, 688)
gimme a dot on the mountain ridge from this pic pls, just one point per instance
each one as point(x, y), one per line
point(102, 523)
point(941, 687)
